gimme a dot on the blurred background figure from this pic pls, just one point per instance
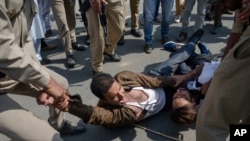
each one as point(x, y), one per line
point(179, 4)
point(200, 17)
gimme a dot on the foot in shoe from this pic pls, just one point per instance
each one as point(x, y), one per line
point(48, 33)
point(45, 46)
point(148, 48)
point(136, 32)
point(114, 57)
point(69, 129)
point(70, 61)
point(157, 19)
point(195, 38)
point(48, 47)
point(182, 36)
point(78, 47)
point(177, 19)
point(45, 61)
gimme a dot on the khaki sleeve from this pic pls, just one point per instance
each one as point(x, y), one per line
point(14, 61)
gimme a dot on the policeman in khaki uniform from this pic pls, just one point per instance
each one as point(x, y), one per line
point(227, 98)
point(21, 73)
point(115, 26)
point(64, 14)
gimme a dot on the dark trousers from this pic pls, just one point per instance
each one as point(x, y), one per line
point(182, 60)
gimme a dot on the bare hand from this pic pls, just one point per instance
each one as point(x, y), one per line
point(245, 13)
point(44, 99)
point(63, 102)
point(179, 79)
point(54, 91)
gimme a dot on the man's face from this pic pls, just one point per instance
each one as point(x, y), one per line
point(115, 94)
point(181, 98)
point(233, 4)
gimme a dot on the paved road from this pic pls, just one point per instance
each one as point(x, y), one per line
point(133, 58)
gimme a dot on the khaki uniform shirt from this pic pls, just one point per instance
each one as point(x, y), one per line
point(17, 56)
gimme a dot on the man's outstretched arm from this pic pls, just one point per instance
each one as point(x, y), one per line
point(109, 116)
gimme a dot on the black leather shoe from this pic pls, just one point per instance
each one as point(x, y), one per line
point(164, 39)
point(195, 38)
point(69, 129)
point(136, 32)
point(121, 42)
point(48, 33)
point(114, 57)
point(70, 61)
point(78, 47)
point(45, 46)
point(148, 48)
point(182, 37)
point(45, 61)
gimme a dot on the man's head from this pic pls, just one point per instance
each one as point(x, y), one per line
point(183, 107)
point(105, 87)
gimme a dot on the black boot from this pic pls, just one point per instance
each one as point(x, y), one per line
point(70, 61)
point(78, 47)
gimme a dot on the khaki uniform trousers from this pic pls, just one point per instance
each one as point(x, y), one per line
point(179, 4)
point(20, 124)
point(116, 25)
point(64, 14)
point(227, 99)
point(135, 13)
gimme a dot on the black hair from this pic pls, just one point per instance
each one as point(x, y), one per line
point(101, 83)
point(195, 94)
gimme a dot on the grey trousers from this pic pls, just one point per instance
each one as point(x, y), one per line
point(200, 17)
